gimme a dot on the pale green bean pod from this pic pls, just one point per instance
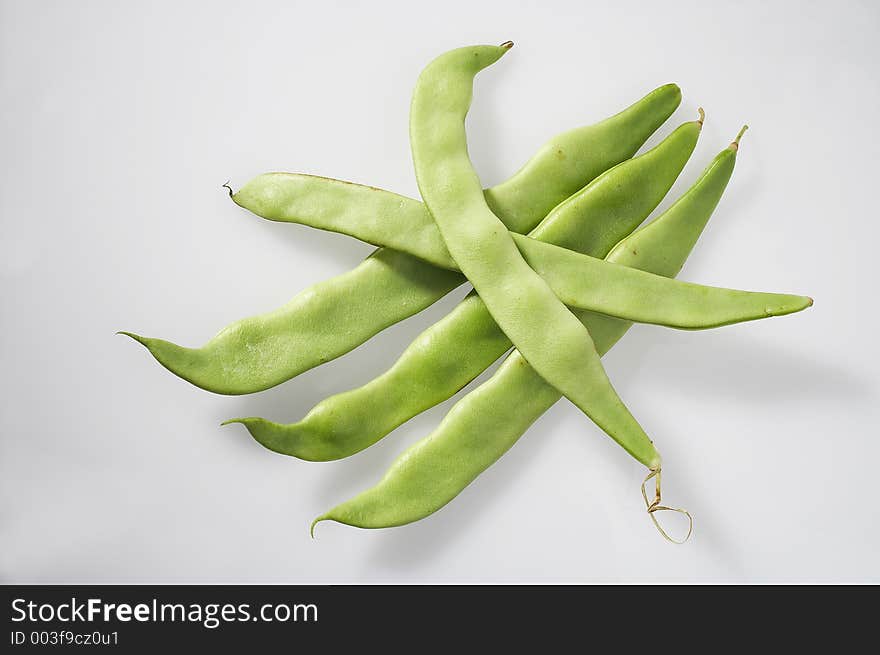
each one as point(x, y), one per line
point(554, 342)
point(585, 282)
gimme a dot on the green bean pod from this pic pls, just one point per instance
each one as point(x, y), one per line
point(585, 282)
point(541, 327)
point(375, 216)
point(485, 423)
point(262, 351)
point(456, 349)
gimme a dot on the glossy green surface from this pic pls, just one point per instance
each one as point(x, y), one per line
point(460, 346)
point(485, 423)
point(335, 316)
point(554, 342)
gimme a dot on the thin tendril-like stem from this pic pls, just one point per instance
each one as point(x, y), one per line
point(654, 506)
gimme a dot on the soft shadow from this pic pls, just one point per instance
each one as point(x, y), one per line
point(712, 370)
point(364, 469)
point(361, 471)
point(708, 535)
point(733, 365)
point(416, 544)
point(484, 128)
point(290, 401)
point(346, 250)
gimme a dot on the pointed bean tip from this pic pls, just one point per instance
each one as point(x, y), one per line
point(801, 303)
point(323, 517)
point(141, 340)
point(702, 117)
point(230, 421)
point(794, 305)
point(228, 188)
point(507, 45)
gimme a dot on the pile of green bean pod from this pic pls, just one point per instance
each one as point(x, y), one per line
point(451, 353)
point(455, 350)
point(262, 351)
point(560, 270)
point(489, 420)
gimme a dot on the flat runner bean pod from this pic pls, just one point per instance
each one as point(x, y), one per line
point(579, 280)
point(585, 282)
point(549, 336)
point(485, 423)
point(262, 351)
point(456, 349)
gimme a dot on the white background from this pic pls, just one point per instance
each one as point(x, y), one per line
point(120, 121)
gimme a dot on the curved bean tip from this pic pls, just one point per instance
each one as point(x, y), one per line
point(735, 144)
point(507, 45)
point(323, 517)
point(136, 337)
point(702, 116)
point(230, 421)
point(226, 186)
